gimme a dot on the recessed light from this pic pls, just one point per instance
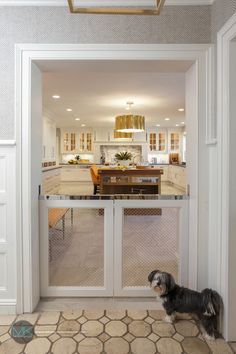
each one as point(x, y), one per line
point(158, 125)
point(177, 125)
point(69, 110)
point(167, 118)
point(181, 109)
point(56, 96)
point(83, 125)
point(183, 123)
point(77, 118)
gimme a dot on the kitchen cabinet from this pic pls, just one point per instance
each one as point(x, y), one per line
point(49, 140)
point(101, 135)
point(69, 141)
point(165, 176)
point(177, 176)
point(85, 141)
point(51, 181)
point(140, 137)
point(157, 140)
point(174, 141)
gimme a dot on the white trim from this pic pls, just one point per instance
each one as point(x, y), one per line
point(8, 307)
point(103, 2)
point(225, 35)
point(7, 142)
point(25, 54)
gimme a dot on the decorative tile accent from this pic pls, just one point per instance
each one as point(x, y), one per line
point(82, 320)
point(104, 337)
point(104, 320)
point(153, 337)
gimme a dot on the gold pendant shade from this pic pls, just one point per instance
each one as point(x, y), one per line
point(130, 123)
point(121, 135)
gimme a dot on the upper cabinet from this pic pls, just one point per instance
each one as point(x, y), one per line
point(86, 140)
point(174, 141)
point(157, 140)
point(69, 141)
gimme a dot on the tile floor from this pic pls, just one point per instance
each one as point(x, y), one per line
point(109, 332)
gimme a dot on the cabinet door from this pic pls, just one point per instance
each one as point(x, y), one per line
point(162, 141)
point(174, 141)
point(101, 134)
point(152, 141)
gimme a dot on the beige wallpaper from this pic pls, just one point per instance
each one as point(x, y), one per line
point(177, 24)
point(221, 11)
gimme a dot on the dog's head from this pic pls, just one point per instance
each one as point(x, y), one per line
point(161, 282)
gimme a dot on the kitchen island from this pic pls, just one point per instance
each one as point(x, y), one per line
point(130, 181)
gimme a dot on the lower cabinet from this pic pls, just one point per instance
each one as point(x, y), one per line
point(177, 176)
point(75, 174)
point(51, 181)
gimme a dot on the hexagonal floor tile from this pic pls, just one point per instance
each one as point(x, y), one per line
point(157, 314)
point(92, 328)
point(90, 346)
point(11, 347)
point(143, 345)
point(64, 345)
point(163, 329)
point(116, 314)
point(139, 328)
point(93, 314)
point(38, 346)
point(116, 346)
point(169, 346)
point(68, 328)
point(72, 314)
point(186, 328)
point(137, 314)
point(195, 346)
point(116, 328)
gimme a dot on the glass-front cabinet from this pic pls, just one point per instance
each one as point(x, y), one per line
point(174, 141)
point(69, 143)
point(157, 141)
point(85, 141)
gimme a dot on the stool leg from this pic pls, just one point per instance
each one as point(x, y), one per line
point(72, 216)
point(63, 227)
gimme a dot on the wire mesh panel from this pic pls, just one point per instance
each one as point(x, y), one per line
point(76, 247)
point(150, 241)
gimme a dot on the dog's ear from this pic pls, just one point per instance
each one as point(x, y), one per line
point(151, 275)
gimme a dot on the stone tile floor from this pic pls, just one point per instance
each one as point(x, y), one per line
point(109, 332)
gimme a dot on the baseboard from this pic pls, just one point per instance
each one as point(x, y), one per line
point(8, 307)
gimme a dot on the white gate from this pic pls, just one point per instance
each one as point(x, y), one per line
point(108, 247)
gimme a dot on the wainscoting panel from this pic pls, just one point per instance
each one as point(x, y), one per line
point(7, 228)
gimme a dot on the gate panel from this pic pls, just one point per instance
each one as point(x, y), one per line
point(77, 248)
point(149, 235)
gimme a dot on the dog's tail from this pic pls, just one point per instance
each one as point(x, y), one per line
point(212, 302)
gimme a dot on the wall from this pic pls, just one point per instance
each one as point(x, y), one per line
point(177, 24)
point(221, 11)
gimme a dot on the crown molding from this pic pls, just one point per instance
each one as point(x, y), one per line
point(102, 2)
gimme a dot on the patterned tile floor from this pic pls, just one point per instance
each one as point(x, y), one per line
point(109, 332)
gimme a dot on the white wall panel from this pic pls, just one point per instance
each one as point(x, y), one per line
point(7, 229)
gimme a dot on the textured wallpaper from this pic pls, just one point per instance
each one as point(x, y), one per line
point(177, 24)
point(221, 11)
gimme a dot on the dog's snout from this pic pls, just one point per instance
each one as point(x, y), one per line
point(158, 283)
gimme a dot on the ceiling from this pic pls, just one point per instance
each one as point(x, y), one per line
point(101, 2)
point(97, 91)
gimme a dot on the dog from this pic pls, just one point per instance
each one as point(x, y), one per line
point(206, 305)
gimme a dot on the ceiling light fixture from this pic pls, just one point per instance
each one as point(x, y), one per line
point(56, 96)
point(129, 105)
point(183, 123)
point(167, 118)
point(121, 135)
point(158, 125)
point(83, 125)
point(117, 10)
point(130, 123)
point(69, 110)
point(77, 118)
point(181, 109)
point(177, 125)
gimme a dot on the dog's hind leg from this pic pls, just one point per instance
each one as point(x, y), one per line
point(209, 324)
point(170, 318)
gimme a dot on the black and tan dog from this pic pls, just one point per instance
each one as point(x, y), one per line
point(206, 305)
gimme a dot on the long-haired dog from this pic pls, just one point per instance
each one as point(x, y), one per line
point(206, 305)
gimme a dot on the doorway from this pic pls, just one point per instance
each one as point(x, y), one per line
point(29, 298)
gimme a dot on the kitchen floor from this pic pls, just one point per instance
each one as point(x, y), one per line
point(116, 331)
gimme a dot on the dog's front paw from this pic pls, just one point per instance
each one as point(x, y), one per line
point(169, 319)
